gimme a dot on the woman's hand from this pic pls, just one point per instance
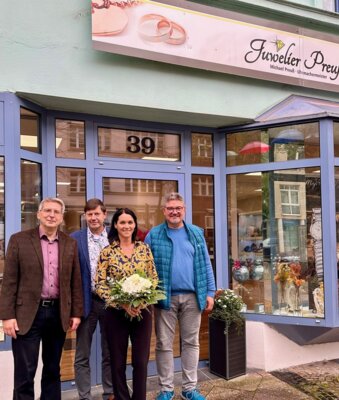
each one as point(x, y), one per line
point(131, 311)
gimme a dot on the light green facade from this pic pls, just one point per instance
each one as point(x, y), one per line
point(46, 55)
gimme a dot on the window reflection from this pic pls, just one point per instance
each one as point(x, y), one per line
point(337, 213)
point(70, 139)
point(31, 190)
point(203, 208)
point(285, 143)
point(144, 196)
point(138, 145)
point(275, 241)
point(2, 222)
point(202, 150)
point(336, 138)
point(328, 5)
point(29, 130)
point(71, 188)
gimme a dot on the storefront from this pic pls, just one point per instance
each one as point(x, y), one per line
point(252, 145)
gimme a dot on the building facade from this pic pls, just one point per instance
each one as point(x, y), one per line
point(233, 104)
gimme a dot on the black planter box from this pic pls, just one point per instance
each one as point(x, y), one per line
point(227, 352)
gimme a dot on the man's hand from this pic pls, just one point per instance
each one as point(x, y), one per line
point(10, 327)
point(209, 304)
point(74, 322)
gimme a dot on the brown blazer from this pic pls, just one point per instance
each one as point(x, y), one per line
point(23, 276)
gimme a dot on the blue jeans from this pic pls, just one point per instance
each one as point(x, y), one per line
point(184, 308)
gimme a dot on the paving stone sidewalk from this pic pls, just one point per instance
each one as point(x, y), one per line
point(309, 381)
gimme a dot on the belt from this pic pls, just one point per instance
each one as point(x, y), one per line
point(48, 302)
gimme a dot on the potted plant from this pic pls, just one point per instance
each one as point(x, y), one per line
point(227, 339)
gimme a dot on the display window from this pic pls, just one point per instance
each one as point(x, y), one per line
point(275, 241)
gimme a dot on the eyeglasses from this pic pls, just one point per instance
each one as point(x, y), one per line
point(172, 209)
point(51, 211)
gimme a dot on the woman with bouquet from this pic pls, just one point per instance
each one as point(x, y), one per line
point(127, 281)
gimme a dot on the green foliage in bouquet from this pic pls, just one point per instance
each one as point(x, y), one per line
point(137, 290)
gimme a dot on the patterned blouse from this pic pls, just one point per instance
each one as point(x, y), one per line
point(113, 263)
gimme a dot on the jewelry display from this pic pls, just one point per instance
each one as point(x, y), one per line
point(109, 21)
point(110, 18)
point(164, 30)
point(155, 28)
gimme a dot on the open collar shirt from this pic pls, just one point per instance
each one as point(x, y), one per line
point(95, 244)
point(50, 253)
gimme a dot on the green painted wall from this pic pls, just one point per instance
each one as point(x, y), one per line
point(46, 50)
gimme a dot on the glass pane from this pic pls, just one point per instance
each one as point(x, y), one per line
point(71, 188)
point(202, 150)
point(203, 216)
point(31, 190)
point(275, 242)
point(327, 5)
point(2, 219)
point(337, 214)
point(70, 139)
point(144, 197)
point(29, 130)
point(125, 143)
point(336, 138)
point(284, 143)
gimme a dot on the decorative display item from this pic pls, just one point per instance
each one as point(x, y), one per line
point(295, 283)
point(316, 233)
point(318, 297)
point(257, 270)
point(289, 278)
point(240, 272)
point(281, 278)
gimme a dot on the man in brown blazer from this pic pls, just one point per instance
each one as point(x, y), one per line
point(41, 298)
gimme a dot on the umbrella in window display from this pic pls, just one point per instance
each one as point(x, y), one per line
point(255, 147)
point(288, 136)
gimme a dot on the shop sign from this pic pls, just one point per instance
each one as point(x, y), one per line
point(182, 36)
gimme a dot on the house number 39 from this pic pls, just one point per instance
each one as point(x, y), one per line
point(145, 145)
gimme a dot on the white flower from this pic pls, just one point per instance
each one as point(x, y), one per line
point(135, 284)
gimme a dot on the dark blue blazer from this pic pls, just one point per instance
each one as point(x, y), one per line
point(85, 267)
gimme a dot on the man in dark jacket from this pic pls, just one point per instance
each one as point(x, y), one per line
point(41, 297)
point(91, 241)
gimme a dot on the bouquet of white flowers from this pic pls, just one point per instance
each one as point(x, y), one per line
point(137, 290)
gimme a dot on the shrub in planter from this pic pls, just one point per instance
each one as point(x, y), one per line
point(227, 339)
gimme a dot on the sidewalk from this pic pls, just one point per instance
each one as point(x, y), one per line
point(310, 381)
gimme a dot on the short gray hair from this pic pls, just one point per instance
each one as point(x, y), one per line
point(173, 196)
point(52, 200)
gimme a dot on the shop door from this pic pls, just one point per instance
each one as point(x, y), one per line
point(142, 192)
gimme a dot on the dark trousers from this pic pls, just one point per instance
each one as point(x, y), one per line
point(46, 328)
point(118, 330)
